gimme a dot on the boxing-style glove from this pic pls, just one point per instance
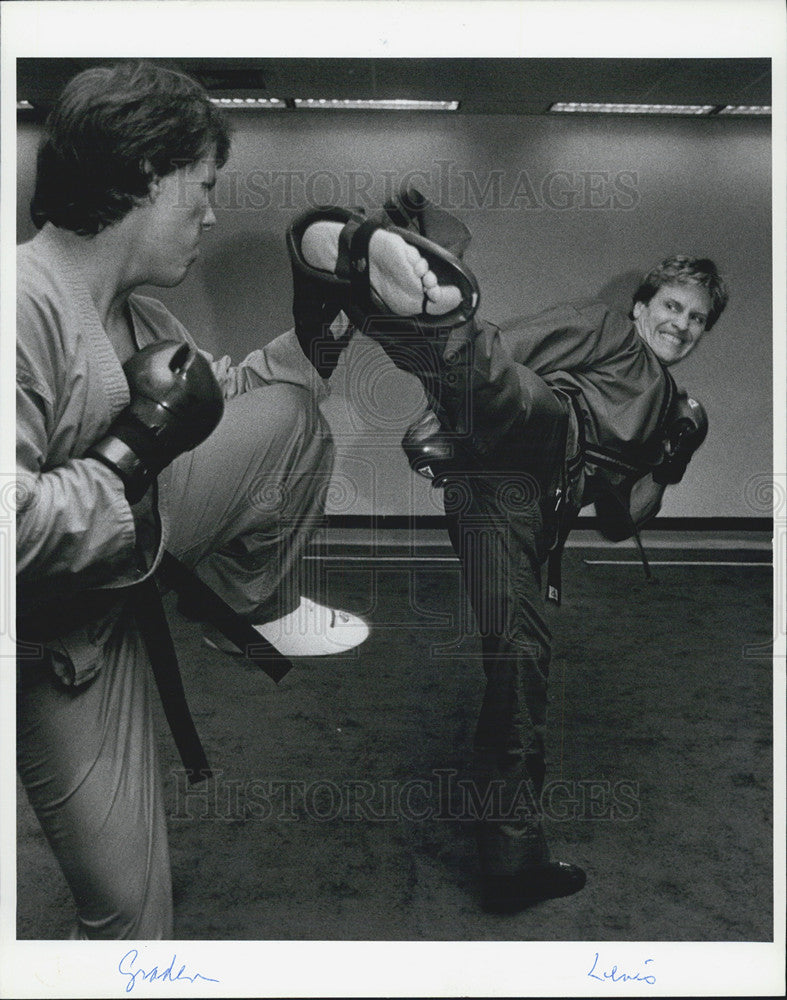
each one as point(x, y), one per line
point(176, 403)
point(430, 449)
point(686, 431)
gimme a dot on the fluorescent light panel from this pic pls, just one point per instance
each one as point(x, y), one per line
point(380, 104)
point(746, 109)
point(248, 103)
point(586, 107)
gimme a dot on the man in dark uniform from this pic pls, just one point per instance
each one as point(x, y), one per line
point(529, 423)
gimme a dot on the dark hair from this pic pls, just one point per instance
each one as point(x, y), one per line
point(112, 131)
point(686, 271)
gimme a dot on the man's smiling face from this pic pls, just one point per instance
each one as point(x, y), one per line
point(674, 320)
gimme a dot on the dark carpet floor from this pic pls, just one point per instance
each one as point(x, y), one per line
point(332, 812)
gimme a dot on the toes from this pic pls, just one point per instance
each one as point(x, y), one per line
point(441, 299)
point(401, 277)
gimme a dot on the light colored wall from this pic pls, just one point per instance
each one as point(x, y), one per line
point(560, 208)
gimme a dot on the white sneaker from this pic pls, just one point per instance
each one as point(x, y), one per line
point(310, 630)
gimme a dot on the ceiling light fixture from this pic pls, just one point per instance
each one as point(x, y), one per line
point(745, 109)
point(586, 107)
point(248, 103)
point(378, 104)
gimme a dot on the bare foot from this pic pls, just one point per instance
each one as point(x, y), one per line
point(398, 274)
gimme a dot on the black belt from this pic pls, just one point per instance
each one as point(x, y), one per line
point(152, 623)
point(153, 626)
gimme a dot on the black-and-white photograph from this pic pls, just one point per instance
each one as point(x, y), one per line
point(399, 540)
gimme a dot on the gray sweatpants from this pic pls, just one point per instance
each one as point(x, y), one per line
point(242, 507)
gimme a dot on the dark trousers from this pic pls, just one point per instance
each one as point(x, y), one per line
point(510, 431)
point(498, 532)
point(500, 510)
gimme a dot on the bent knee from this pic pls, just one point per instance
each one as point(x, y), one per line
point(279, 411)
point(289, 409)
point(282, 422)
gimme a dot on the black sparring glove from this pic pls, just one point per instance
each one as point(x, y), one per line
point(686, 431)
point(176, 403)
point(429, 449)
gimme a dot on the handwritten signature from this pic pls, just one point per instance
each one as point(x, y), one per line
point(621, 977)
point(167, 974)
